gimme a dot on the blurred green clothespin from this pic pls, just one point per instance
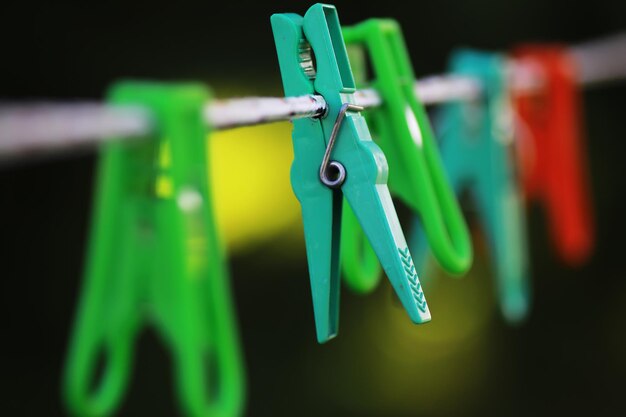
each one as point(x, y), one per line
point(477, 150)
point(416, 175)
point(358, 170)
point(154, 256)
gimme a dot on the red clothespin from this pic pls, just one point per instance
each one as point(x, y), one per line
point(552, 153)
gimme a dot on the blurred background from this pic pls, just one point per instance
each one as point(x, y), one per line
point(568, 358)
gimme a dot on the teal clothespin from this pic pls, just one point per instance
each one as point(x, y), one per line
point(477, 150)
point(358, 169)
point(400, 126)
point(154, 256)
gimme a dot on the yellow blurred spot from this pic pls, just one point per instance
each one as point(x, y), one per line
point(249, 174)
point(164, 186)
point(165, 155)
point(406, 369)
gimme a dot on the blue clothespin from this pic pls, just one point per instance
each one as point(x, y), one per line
point(477, 151)
point(358, 169)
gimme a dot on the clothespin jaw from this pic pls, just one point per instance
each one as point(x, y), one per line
point(358, 169)
point(552, 150)
point(478, 152)
point(154, 253)
point(403, 132)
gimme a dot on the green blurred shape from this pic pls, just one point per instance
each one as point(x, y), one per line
point(154, 255)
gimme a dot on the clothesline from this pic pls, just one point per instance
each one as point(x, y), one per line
point(51, 126)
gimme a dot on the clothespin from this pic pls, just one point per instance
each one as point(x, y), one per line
point(402, 129)
point(552, 150)
point(358, 169)
point(154, 255)
point(477, 150)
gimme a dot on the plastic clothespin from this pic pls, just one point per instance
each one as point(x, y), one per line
point(402, 129)
point(358, 169)
point(478, 152)
point(154, 255)
point(552, 150)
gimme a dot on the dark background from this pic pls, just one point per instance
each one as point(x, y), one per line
point(568, 358)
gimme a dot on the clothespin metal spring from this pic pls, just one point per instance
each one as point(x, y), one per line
point(334, 179)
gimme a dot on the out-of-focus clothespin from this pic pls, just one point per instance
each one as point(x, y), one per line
point(478, 153)
point(154, 256)
point(552, 150)
point(336, 157)
point(400, 126)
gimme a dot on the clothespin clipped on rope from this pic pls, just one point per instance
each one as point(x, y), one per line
point(154, 255)
point(552, 150)
point(400, 126)
point(478, 153)
point(335, 157)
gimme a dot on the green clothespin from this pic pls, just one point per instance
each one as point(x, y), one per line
point(402, 129)
point(477, 150)
point(358, 170)
point(154, 255)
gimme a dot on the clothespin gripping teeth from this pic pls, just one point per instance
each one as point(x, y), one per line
point(154, 254)
point(359, 171)
point(403, 132)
